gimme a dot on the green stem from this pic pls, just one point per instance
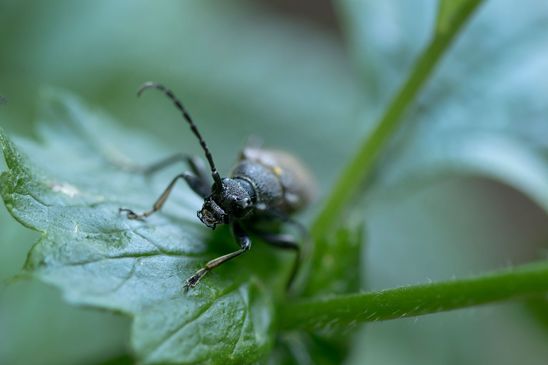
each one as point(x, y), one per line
point(361, 165)
point(416, 300)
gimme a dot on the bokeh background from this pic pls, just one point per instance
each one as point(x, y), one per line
point(286, 71)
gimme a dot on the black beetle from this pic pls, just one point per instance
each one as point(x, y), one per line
point(264, 186)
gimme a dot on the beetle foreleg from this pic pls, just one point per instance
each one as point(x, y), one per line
point(245, 244)
point(159, 202)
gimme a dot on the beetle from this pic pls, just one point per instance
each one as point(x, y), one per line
point(264, 186)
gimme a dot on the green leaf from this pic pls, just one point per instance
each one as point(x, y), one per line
point(340, 274)
point(347, 310)
point(538, 307)
point(363, 162)
point(310, 349)
point(99, 258)
point(340, 263)
point(483, 112)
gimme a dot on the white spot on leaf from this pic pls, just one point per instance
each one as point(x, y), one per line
point(66, 189)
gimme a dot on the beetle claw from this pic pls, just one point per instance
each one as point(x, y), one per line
point(130, 214)
point(192, 281)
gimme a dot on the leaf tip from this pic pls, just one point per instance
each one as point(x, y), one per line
point(11, 155)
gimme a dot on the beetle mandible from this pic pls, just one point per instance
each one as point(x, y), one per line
point(264, 186)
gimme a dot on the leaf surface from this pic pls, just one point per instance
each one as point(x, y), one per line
point(483, 112)
point(99, 258)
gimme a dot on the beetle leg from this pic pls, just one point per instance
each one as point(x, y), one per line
point(285, 242)
point(163, 163)
point(159, 202)
point(245, 244)
point(203, 189)
point(155, 166)
point(202, 175)
point(196, 165)
point(197, 180)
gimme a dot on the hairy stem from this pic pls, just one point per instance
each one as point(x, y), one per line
point(416, 300)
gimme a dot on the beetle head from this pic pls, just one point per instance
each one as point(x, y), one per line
point(228, 200)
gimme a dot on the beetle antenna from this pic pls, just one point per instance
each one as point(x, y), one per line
point(186, 116)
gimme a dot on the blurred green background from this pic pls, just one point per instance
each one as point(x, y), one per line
point(285, 71)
